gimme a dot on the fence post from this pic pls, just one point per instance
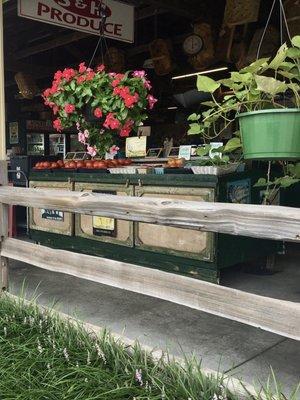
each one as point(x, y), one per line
point(3, 229)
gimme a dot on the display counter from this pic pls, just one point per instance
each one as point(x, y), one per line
point(193, 253)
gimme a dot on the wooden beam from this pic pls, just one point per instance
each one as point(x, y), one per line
point(3, 229)
point(2, 94)
point(271, 222)
point(176, 7)
point(51, 44)
point(277, 316)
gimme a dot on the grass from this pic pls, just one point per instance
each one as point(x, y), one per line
point(44, 357)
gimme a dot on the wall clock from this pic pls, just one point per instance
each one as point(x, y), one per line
point(192, 44)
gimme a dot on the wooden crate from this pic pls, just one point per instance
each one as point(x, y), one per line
point(176, 241)
point(115, 231)
point(51, 221)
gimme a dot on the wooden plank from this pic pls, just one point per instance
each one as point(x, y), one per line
point(271, 222)
point(277, 316)
point(2, 94)
point(51, 44)
point(3, 229)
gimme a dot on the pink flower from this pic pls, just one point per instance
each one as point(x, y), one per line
point(111, 122)
point(82, 67)
point(151, 101)
point(58, 75)
point(86, 133)
point(57, 125)
point(91, 150)
point(147, 84)
point(69, 108)
point(55, 110)
point(114, 150)
point(81, 137)
point(100, 68)
point(47, 92)
point(98, 112)
point(126, 128)
point(139, 74)
point(77, 125)
point(112, 74)
point(80, 79)
point(68, 73)
point(90, 76)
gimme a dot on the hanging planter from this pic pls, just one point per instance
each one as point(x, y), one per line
point(271, 134)
point(102, 105)
point(264, 99)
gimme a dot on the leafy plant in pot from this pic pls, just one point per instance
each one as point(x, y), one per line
point(102, 105)
point(264, 98)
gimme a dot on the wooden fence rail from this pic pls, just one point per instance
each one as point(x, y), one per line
point(271, 222)
point(277, 316)
point(281, 223)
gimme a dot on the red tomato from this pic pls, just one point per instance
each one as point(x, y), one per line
point(127, 161)
point(89, 164)
point(46, 164)
point(80, 164)
point(100, 165)
point(54, 165)
point(60, 163)
point(72, 165)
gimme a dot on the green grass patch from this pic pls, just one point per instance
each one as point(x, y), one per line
point(45, 357)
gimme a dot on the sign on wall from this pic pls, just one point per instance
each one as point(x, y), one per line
point(83, 15)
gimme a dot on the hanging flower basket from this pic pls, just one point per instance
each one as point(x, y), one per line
point(102, 105)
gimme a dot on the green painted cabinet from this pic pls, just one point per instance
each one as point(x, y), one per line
point(190, 252)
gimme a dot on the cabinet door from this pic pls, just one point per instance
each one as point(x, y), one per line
point(53, 221)
point(104, 229)
point(170, 240)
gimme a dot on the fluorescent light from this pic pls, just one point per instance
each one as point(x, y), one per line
point(209, 71)
point(172, 108)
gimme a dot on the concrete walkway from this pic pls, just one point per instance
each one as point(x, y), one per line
point(246, 352)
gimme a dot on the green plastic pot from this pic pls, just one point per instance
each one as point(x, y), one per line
point(271, 134)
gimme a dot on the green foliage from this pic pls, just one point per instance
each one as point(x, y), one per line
point(45, 357)
point(254, 87)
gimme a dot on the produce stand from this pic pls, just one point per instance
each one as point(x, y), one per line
point(197, 254)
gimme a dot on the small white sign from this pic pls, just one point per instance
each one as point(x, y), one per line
point(185, 152)
point(83, 15)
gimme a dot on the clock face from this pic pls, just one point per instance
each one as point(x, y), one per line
point(192, 44)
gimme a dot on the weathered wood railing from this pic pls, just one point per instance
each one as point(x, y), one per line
point(282, 223)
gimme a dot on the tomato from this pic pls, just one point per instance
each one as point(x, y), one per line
point(127, 161)
point(54, 165)
point(100, 165)
point(72, 165)
point(60, 163)
point(121, 161)
point(114, 163)
point(37, 165)
point(80, 164)
point(89, 164)
point(46, 164)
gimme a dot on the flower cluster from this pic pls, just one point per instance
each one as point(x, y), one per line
point(117, 102)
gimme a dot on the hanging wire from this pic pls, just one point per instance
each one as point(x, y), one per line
point(282, 19)
point(280, 23)
point(285, 20)
point(103, 16)
point(265, 29)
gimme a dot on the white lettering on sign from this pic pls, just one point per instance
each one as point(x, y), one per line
point(83, 15)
